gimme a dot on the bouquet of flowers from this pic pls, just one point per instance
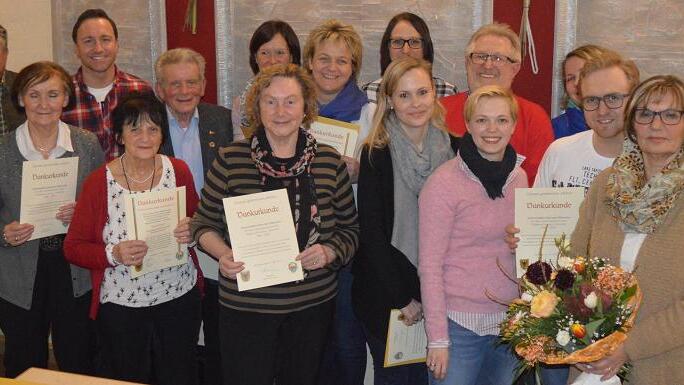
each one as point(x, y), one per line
point(575, 310)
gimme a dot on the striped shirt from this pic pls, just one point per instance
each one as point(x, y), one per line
point(442, 88)
point(234, 173)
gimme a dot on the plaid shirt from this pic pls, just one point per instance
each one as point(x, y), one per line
point(442, 88)
point(90, 115)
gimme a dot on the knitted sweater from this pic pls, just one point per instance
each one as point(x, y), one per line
point(656, 343)
point(18, 265)
point(234, 173)
point(461, 239)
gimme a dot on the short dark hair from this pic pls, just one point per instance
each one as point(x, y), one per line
point(37, 73)
point(93, 13)
point(419, 25)
point(136, 108)
point(265, 32)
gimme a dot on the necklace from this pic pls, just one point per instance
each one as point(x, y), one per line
point(43, 150)
point(154, 170)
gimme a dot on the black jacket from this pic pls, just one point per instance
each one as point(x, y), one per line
point(384, 279)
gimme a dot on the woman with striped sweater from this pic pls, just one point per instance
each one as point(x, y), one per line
point(278, 332)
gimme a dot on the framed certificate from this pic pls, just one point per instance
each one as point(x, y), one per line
point(537, 208)
point(262, 235)
point(340, 135)
point(152, 217)
point(405, 344)
point(46, 185)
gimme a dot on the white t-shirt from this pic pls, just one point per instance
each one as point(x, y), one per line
point(100, 93)
point(571, 161)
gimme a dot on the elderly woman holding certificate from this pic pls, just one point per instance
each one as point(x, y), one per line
point(634, 215)
point(40, 293)
point(462, 249)
point(278, 332)
point(147, 325)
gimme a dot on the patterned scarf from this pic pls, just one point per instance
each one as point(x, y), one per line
point(637, 205)
point(293, 174)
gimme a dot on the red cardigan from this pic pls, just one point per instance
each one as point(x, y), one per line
point(84, 245)
point(533, 132)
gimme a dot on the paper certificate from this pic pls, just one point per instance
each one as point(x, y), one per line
point(405, 344)
point(340, 135)
point(46, 185)
point(152, 217)
point(536, 208)
point(262, 235)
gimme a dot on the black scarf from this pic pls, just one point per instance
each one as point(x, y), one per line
point(492, 175)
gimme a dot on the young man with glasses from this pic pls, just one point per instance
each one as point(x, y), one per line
point(605, 84)
point(493, 58)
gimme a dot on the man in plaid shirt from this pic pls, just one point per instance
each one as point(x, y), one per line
point(99, 84)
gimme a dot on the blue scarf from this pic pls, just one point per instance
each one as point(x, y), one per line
point(347, 104)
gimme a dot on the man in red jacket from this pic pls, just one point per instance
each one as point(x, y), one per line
point(493, 57)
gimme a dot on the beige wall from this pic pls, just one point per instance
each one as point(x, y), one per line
point(29, 26)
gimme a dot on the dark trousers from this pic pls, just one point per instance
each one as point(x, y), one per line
point(344, 361)
point(258, 348)
point(152, 345)
point(412, 374)
point(210, 315)
point(53, 309)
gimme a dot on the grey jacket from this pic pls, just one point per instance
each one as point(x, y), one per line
point(18, 265)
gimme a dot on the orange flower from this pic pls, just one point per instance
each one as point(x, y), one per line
point(579, 265)
point(543, 304)
point(578, 330)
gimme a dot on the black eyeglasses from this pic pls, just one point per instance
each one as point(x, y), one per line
point(497, 60)
point(612, 101)
point(400, 43)
point(669, 116)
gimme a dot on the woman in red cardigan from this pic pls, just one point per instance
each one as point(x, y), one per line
point(147, 326)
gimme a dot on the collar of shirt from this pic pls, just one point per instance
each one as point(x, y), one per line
point(173, 122)
point(29, 151)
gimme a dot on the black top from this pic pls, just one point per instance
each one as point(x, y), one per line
point(384, 278)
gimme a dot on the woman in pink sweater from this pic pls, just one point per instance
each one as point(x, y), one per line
point(463, 208)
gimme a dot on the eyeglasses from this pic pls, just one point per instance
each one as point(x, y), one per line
point(497, 60)
point(278, 53)
point(400, 43)
point(669, 116)
point(612, 101)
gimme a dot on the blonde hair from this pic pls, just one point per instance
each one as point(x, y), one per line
point(585, 52)
point(490, 92)
point(500, 30)
point(379, 137)
point(652, 89)
point(608, 59)
point(175, 56)
point(263, 80)
point(337, 31)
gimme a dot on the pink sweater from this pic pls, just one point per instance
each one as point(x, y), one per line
point(461, 238)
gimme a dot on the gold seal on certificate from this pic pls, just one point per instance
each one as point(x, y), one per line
point(340, 135)
point(152, 217)
point(262, 235)
point(537, 208)
point(46, 185)
point(405, 344)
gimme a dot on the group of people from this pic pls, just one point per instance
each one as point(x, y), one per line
point(420, 219)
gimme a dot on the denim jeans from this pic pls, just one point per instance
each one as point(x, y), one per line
point(412, 374)
point(550, 375)
point(477, 360)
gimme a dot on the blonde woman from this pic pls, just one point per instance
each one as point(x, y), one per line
point(462, 249)
point(407, 143)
